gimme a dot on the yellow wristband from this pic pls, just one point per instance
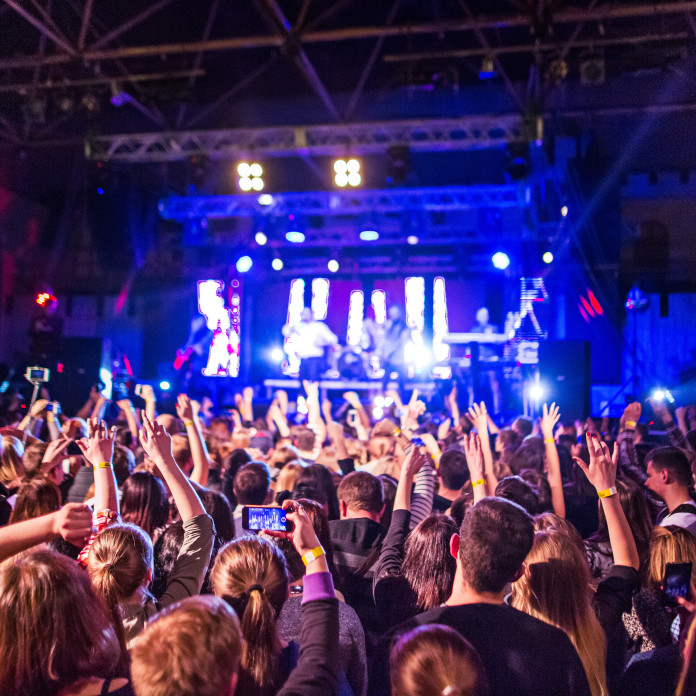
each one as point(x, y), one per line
point(548, 440)
point(607, 492)
point(631, 425)
point(187, 423)
point(478, 482)
point(317, 552)
point(104, 465)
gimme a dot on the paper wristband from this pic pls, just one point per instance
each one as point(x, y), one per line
point(478, 482)
point(607, 492)
point(188, 423)
point(313, 554)
point(548, 440)
point(631, 425)
point(104, 465)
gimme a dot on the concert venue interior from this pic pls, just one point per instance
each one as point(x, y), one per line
point(168, 163)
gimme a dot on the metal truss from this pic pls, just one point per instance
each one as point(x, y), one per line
point(466, 133)
point(337, 203)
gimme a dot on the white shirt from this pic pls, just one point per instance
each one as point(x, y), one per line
point(310, 338)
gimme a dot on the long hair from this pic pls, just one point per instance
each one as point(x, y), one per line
point(53, 628)
point(670, 545)
point(38, 496)
point(428, 564)
point(11, 467)
point(433, 660)
point(118, 565)
point(144, 502)
point(555, 588)
point(252, 576)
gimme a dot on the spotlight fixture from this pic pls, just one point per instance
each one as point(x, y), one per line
point(412, 239)
point(564, 211)
point(347, 173)
point(332, 265)
point(295, 236)
point(500, 260)
point(487, 71)
point(244, 264)
point(250, 176)
point(261, 238)
point(547, 257)
point(369, 235)
point(277, 264)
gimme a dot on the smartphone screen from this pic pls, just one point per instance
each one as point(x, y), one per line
point(258, 518)
point(676, 583)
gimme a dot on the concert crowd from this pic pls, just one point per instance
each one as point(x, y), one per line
point(433, 552)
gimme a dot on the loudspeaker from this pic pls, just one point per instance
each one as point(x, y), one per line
point(81, 360)
point(564, 367)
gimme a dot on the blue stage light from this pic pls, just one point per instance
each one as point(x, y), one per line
point(295, 236)
point(369, 235)
point(500, 260)
point(164, 385)
point(244, 264)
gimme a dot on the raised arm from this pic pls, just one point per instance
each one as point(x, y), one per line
point(601, 473)
point(354, 400)
point(131, 416)
point(474, 460)
point(157, 444)
point(454, 409)
point(199, 452)
point(478, 415)
point(148, 394)
point(73, 522)
point(98, 449)
point(315, 421)
point(549, 418)
point(53, 422)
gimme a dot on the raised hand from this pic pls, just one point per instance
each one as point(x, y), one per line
point(631, 415)
point(156, 441)
point(282, 397)
point(474, 456)
point(660, 410)
point(413, 463)
point(98, 446)
point(353, 399)
point(550, 416)
point(73, 522)
point(601, 472)
point(55, 452)
point(184, 408)
point(125, 404)
point(478, 415)
point(147, 392)
point(38, 408)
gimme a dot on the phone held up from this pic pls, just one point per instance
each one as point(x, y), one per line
point(676, 583)
point(259, 518)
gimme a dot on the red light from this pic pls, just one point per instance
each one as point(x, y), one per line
point(595, 303)
point(587, 307)
point(59, 367)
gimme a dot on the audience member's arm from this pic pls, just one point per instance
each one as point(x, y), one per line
point(415, 408)
point(478, 414)
point(131, 416)
point(55, 453)
point(675, 436)
point(98, 449)
point(315, 421)
point(86, 411)
point(73, 522)
point(338, 439)
point(474, 460)
point(354, 400)
point(680, 413)
point(454, 409)
point(278, 417)
point(53, 422)
point(601, 473)
point(247, 404)
point(628, 458)
point(199, 452)
point(148, 395)
point(29, 422)
point(444, 428)
point(549, 419)
point(99, 407)
point(423, 494)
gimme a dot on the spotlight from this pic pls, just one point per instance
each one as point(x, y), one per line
point(277, 355)
point(261, 238)
point(379, 401)
point(536, 392)
point(164, 385)
point(333, 265)
point(661, 394)
point(347, 173)
point(265, 199)
point(295, 236)
point(377, 412)
point(250, 176)
point(412, 239)
point(100, 191)
point(277, 264)
point(500, 260)
point(244, 264)
point(547, 257)
point(564, 211)
point(369, 235)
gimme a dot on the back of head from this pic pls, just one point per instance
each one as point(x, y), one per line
point(288, 476)
point(181, 450)
point(670, 545)
point(251, 484)
point(494, 539)
point(435, 660)
point(527, 457)
point(542, 488)
point(428, 564)
point(169, 422)
point(53, 629)
point(192, 648)
point(362, 491)
point(36, 497)
point(519, 491)
point(251, 575)
point(523, 426)
point(507, 437)
point(144, 501)
point(675, 461)
point(124, 464)
point(11, 459)
point(318, 478)
point(219, 508)
point(33, 456)
point(453, 470)
point(303, 439)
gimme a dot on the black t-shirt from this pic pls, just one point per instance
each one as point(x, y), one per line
point(522, 656)
point(441, 504)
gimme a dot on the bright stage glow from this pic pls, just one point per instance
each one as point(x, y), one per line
point(536, 392)
point(295, 236)
point(245, 184)
point(377, 412)
point(412, 239)
point(164, 385)
point(415, 318)
point(320, 298)
point(244, 170)
point(341, 180)
point(347, 173)
point(340, 166)
point(354, 179)
point(379, 401)
point(564, 211)
point(660, 394)
point(440, 322)
point(379, 305)
point(500, 260)
point(332, 265)
point(257, 184)
point(265, 199)
point(369, 235)
point(261, 238)
point(277, 264)
point(355, 317)
point(244, 264)
point(250, 176)
point(547, 257)
point(256, 169)
point(277, 355)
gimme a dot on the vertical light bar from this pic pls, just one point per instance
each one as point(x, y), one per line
point(355, 317)
point(235, 329)
point(441, 350)
point(320, 298)
point(415, 317)
point(379, 305)
point(295, 305)
point(223, 356)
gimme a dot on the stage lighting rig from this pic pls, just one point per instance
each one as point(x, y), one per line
point(250, 176)
point(500, 260)
point(347, 172)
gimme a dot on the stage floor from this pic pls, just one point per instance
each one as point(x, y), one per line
point(428, 387)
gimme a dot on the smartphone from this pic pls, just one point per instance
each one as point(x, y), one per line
point(676, 583)
point(417, 442)
point(257, 518)
point(352, 417)
point(49, 406)
point(74, 450)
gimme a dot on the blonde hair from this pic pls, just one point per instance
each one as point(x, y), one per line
point(556, 588)
point(38, 496)
point(287, 477)
point(11, 467)
point(670, 545)
point(192, 648)
point(433, 660)
point(252, 576)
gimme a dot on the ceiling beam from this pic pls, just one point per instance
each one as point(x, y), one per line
point(84, 27)
point(38, 24)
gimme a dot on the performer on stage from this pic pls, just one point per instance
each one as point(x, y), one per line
point(396, 336)
point(487, 353)
point(310, 338)
point(192, 357)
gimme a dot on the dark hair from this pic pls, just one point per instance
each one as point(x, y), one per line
point(124, 464)
point(219, 508)
point(32, 458)
point(527, 457)
point(519, 491)
point(523, 426)
point(428, 564)
point(304, 439)
point(251, 484)
point(166, 552)
point(453, 469)
point(144, 502)
point(542, 488)
point(389, 485)
point(508, 437)
point(38, 496)
point(231, 464)
point(317, 478)
point(674, 460)
point(362, 491)
point(459, 507)
point(494, 539)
